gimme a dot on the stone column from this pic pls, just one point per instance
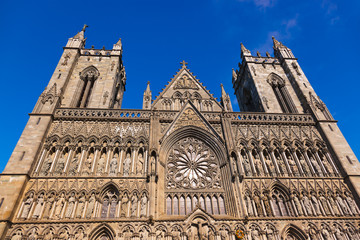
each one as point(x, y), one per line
point(41, 159)
point(286, 162)
point(309, 163)
point(262, 158)
point(251, 160)
point(293, 153)
point(274, 160)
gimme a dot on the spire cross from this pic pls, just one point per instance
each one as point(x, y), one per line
point(183, 63)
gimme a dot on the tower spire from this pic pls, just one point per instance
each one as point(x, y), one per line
point(81, 35)
point(118, 45)
point(244, 51)
point(147, 97)
point(225, 100)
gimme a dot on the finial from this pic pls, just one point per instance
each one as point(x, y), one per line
point(276, 42)
point(234, 74)
point(119, 42)
point(268, 54)
point(84, 27)
point(258, 54)
point(148, 82)
point(183, 63)
point(244, 50)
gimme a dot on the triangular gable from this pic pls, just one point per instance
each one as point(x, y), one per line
point(190, 116)
point(185, 83)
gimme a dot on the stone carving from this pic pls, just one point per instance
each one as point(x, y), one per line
point(342, 204)
point(246, 164)
point(49, 205)
point(258, 206)
point(293, 166)
point(316, 166)
point(281, 164)
point(27, 206)
point(297, 204)
point(101, 164)
point(339, 234)
point(325, 234)
point(17, 235)
point(80, 206)
point(307, 204)
point(60, 164)
point(64, 234)
point(255, 234)
point(334, 206)
point(134, 203)
point(185, 83)
point(113, 164)
point(258, 165)
point(352, 204)
point(91, 205)
point(71, 205)
point(124, 204)
point(143, 205)
point(152, 164)
point(304, 165)
point(127, 165)
point(46, 166)
point(34, 234)
point(74, 164)
point(59, 206)
point(324, 204)
point(315, 204)
point(270, 166)
point(189, 118)
point(39, 206)
point(192, 165)
point(249, 206)
point(140, 164)
point(88, 165)
point(49, 235)
point(79, 234)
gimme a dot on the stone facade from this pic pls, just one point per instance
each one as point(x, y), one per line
point(186, 166)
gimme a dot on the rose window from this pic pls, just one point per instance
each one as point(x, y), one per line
point(192, 164)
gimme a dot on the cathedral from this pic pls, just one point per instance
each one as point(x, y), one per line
point(185, 166)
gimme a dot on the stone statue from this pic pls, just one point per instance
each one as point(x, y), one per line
point(246, 165)
point(88, 165)
point(74, 165)
point(91, 205)
point(307, 204)
point(39, 206)
point(249, 206)
point(259, 167)
point(339, 234)
point(27, 206)
point(101, 164)
point(269, 233)
point(127, 164)
point(17, 235)
point(324, 204)
point(152, 164)
point(254, 234)
point(258, 205)
point(79, 234)
point(49, 235)
point(34, 234)
point(315, 203)
point(46, 166)
point(64, 235)
point(49, 205)
point(71, 205)
point(281, 165)
point(316, 166)
point(270, 166)
point(124, 204)
point(342, 204)
point(113, 165)
point(298, 205)
point(140, 164)
point(59, 206)
point(334, 206)
point(325, 234)
point(352, 204)
point(233, 164)
point(134, 203)
point(266, 205)
point(293, 166)
point(60, 164)
point(304, 165)
point(327, 166)
point(143, 205)
point(80, 206)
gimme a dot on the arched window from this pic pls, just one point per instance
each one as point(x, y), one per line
point(222, 205)
point(182, 205)
point(208, 205)
point(168, 205)
point(279, 203)
point(176, 205)
point(281, 93)
point(88, 77)
point(215, 205)
point(188, 205)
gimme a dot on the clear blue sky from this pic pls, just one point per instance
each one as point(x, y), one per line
point(157, 35)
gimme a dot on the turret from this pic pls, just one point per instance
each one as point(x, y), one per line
point(78, 41)
point(147, 97)
point(281, 51)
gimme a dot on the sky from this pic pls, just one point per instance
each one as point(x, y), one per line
point(157, 35)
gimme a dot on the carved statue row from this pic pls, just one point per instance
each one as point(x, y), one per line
point(109, 204)
point(279, 203)
point(283, 162)
point(94, 161)
point(198, 229)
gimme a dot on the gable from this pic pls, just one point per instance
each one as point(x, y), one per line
point(182, 88)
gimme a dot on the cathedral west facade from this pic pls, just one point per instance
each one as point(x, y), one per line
point(185, 166)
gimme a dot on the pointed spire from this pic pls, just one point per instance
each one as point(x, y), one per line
point(277, 44)
point(244, 51)
point(225, 99)
point(81, 35)
point(223, 93)
point(234, 75)
point(118, 45)
point(148, 87)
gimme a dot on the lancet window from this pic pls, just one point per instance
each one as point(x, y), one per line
point(88, 77)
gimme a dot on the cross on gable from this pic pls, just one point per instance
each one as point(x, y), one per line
point(183, 63)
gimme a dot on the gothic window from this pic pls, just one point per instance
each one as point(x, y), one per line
point(208, 205)
point(222, 205)
point(88, 77)
point(176, 205)
point(279, 203)
point(215, 205)
point(281, 93)
point(188, 205)
point(182, 205)
point(168, 205)
point(202, 202)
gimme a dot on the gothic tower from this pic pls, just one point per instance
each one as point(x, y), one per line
point(185, 166)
